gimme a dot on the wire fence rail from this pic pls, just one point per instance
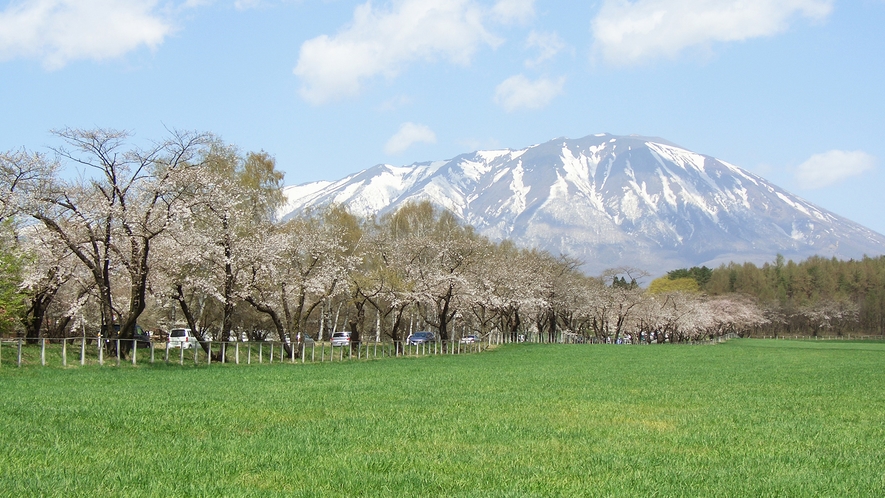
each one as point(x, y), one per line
point(95, 350)
point(72, 351)
point(845, 337)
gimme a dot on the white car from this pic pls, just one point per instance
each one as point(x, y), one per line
point(182, 338)
point(341, 339)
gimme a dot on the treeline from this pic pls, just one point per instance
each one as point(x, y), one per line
point(183, 233)
point(817, 295)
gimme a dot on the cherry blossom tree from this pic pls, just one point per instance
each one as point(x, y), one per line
point(299, 265)
point(110, 216)
point(211, 255)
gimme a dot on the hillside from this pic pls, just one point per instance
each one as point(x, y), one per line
point(609, 201)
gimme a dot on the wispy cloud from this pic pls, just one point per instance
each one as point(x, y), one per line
point(395, 103)
point(247, 4)
point(828, 168)
point(409, 134)
point(519, 92)
point(514, 11)
point(631, 32)
point(548, 46)
point(58, 32)
point(383, 41)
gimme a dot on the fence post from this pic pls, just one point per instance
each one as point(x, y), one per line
point(43, 352)
point(180, 353)
point(261, 352)
point(237, 353)
point(100, 350)
point(83, 350)
point(209, 355)
point(134, 350)
point(249, 354)
point(313, 352)
point(64, 352)
point(118, 352)
point(19, 359)
point(151, 345)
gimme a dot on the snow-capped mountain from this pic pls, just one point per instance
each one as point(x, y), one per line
point(609, 201)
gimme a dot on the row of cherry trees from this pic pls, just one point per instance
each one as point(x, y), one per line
point(183, 231)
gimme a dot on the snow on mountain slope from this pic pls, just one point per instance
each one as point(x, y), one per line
point(610, 201)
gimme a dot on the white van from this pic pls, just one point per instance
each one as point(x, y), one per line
point(182, 338)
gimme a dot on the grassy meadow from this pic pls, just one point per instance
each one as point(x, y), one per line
point(745, 418)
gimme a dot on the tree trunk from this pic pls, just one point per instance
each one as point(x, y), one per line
point(278, 324)
point(357, 320)
point(36, 313)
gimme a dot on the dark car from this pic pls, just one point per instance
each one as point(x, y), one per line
point(422, 337)
point(142, 340)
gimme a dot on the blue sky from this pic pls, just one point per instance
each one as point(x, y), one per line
point(791, 90)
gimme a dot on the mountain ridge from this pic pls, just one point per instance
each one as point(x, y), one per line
point(608, 200)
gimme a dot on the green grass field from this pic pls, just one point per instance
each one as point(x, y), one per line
point(745, 418)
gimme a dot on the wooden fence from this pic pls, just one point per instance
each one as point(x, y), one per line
point(96, 351)
point(82, 350)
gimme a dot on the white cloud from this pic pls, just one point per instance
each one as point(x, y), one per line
point(518, 92)
point(408, 135)
point(514, 11)
point(60, 31)
point(247, 4)
point(821, 170)
point(395, 103)
point(192, 4)
point(548, 45)
point(631, 32)
point(383, 41)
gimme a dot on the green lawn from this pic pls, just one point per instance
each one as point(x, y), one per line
point(745, 418)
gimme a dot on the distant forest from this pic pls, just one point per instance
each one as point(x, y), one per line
point(814, 295)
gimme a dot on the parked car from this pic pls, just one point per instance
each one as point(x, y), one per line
point(182, 338)
point(469, 339)
point(422, 337)
point(142, 339)
point(299, 339)
point(341, 339)
point(306, 339)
